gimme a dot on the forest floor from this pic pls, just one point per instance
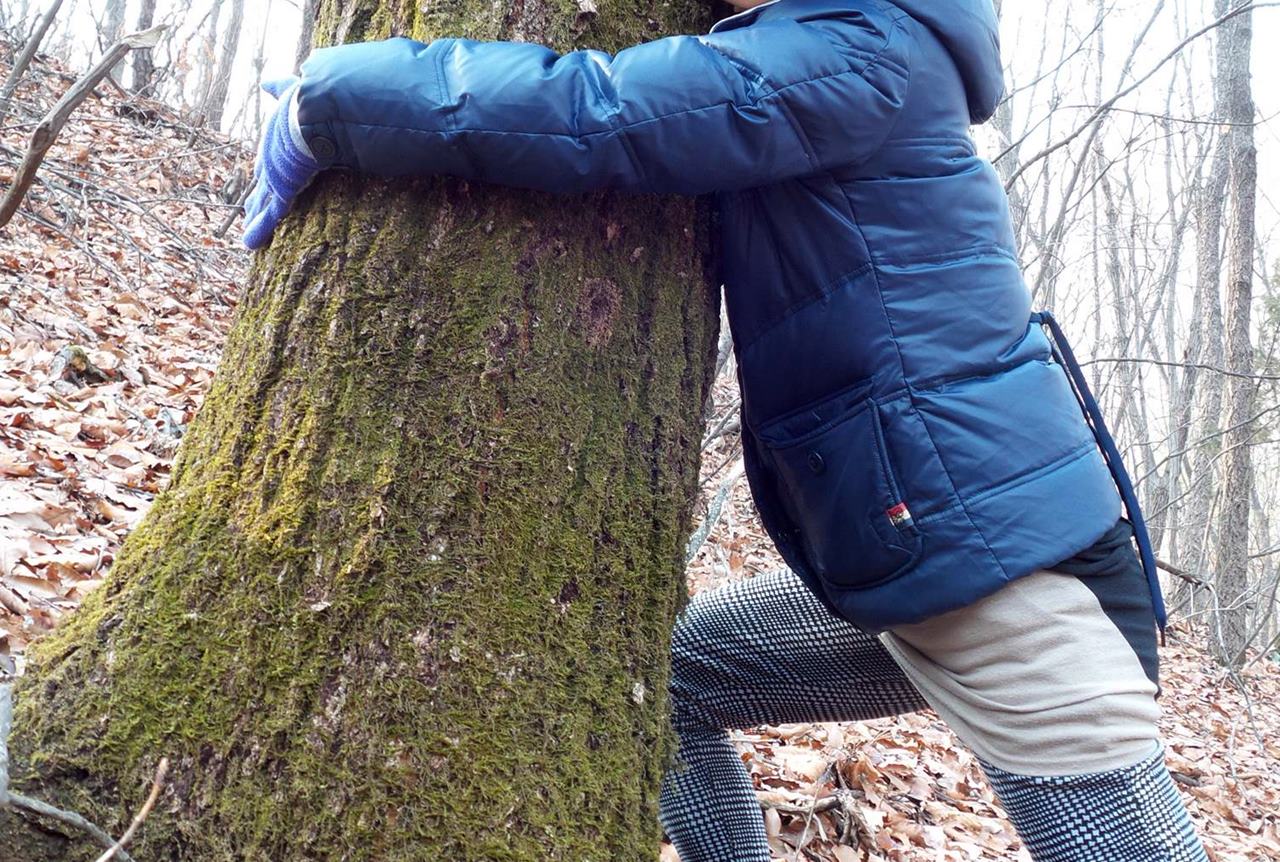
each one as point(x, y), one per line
point(115, 253)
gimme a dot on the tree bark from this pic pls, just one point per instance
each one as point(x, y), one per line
point(113, 28)
point(113, 22)
point(217, 102)
point(306, 34)
point(208, 57)
point(409, 593)
point(1237, 471)
point(1207, 335)
point(143, 63)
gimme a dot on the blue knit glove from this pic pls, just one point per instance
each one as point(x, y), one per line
point(284, 168)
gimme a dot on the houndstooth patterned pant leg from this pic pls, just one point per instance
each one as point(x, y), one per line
point(1123, 815)
point(761, 651)
point(766, 651)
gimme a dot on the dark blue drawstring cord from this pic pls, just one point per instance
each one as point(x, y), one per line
point(1093, 415)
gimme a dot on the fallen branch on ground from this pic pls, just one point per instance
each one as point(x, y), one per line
point(47, 131)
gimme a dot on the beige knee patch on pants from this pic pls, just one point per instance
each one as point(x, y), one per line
point(1035, 679)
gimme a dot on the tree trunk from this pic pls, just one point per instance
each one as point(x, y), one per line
point(113, 22)
point(208, 61)
point(143, 64)
point(409, 593)
point(217, 103)
point(306, 33)
point(1208, 338)
point(1237, 470)
point(113, 29)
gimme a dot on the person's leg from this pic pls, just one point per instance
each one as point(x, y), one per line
point(1131, 814)
point(1051, 681)
point(760, 651)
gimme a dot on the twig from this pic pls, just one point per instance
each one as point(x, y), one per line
point(826, 803)
point(1103, 108)
point(723, 426)
point(156, 784)
point(1167, 364)
point(233, 213)
point(735, 453)
point(1182, 573)
point(47, 132)
point(1264, 652)
point(809, 815)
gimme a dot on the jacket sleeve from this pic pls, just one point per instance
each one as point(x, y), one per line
point(684, 114)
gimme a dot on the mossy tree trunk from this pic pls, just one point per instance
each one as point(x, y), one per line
point(409, 593)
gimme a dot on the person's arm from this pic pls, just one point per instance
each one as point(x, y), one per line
point(683, 114)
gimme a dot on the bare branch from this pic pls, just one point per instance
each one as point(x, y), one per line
point(1169, 364)
point(156, 784)
point(47, 132)
point(1106, 106)
point(24, 59)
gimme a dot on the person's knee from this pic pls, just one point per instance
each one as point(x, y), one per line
point(688, 667)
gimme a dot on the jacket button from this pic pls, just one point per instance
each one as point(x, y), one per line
point(816, 464)
point(322, 148)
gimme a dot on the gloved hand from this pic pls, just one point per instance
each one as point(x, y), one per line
point(283, 169)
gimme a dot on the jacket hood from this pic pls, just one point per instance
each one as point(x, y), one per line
point(970, 32)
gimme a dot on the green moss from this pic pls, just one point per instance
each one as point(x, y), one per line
point(421, 548)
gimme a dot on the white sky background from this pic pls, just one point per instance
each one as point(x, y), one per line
point(1069, 21)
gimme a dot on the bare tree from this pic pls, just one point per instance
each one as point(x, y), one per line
point(217, 99)
point(1208, 329)
point(143, 63)
point(1237, 474)
point(207, 59)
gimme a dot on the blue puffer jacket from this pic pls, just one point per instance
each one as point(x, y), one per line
point(909, 442)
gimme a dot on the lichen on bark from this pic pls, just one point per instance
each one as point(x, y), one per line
point(409, 593)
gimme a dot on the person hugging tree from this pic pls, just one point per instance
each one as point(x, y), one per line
point(951, 518)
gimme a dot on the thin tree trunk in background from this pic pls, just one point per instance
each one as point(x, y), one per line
point(410, 591)
point(113, 22)
point(259, 63)
point(1202, 486)
point(1207, 208)
point(217, 103)
point(307, 34)
point(23, 60)
point(208, 59)
point(113, 29)
point(1164, 483)
point(143, 63)
point(1237, 471)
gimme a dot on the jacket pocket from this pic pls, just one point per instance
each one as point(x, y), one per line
point(839, 489)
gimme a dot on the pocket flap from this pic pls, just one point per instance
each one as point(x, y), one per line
point(839, 489)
